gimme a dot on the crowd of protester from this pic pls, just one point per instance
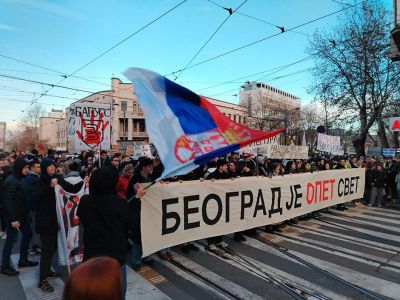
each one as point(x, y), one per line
point(110, 213)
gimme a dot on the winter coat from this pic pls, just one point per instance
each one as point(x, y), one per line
point(398, 181)
point(135, 206)
point(14, 194)
point(104, 217)
point(378, 179)
point(122, 186)
point(29, 181)
point(45, 199)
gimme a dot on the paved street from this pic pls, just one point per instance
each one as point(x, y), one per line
point(341, 255)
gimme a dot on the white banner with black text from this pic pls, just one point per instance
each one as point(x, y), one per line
point(176, 213)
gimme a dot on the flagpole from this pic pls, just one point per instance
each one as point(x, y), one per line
point(68, 268)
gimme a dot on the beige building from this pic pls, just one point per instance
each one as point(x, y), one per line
point(3, 135)
point(48, 132)
point(235, 112)
point(270, 108)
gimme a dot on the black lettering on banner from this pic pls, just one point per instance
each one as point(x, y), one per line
point(352, 185)
point(187, 211)
point(245, 204)
point(260, 205)
point(357, 177)
point(275, 190)
point(346, 186)
point(228, 197)
point(340, 193)
point(289, 204)
point(207, 199)
point(169, 215)
point(298, 195)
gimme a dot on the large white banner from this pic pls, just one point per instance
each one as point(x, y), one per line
point(69, 241)
point(89, 127)
point(330, 144)
point(176, 213)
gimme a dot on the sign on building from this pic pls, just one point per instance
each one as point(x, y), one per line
point(394, 124)
point(329, 144)
point(89, 127)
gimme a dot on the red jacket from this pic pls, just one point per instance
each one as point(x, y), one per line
point(122, 186)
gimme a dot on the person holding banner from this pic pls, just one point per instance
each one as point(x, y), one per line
point(220, 173)
point(142, 175)
point(46, 217)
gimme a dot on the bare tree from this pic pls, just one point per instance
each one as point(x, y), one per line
point(352, 70)
point(29, 127)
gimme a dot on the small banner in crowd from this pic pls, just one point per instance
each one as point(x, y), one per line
point(70, 246)
point(330, 144)
point(275, 151)
point(89, 127)
point(176, 213)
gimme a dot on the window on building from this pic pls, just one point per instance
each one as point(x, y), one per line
point(244, 120)
point(234, 118)
point(142, 126)
point(124, 105)
point(240, 119)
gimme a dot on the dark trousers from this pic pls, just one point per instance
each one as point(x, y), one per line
point(214, 240)
point(12, 237)
point(49, 246)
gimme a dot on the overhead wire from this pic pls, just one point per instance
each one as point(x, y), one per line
point(113, 47)
point(281, 28)
point(58, 86)
point(266, 38)
point(274, 70)
point(231, 12)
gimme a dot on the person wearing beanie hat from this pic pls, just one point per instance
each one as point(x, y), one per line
point(46, 217)
point(16, 210)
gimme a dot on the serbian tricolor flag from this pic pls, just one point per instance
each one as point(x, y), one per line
point(185, 128)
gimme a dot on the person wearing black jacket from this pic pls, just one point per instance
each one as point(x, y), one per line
point(378, 183)
point(105, 219)
point(16, 211)
point(46, 217)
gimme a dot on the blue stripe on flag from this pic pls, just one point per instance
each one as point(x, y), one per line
point(186, 106)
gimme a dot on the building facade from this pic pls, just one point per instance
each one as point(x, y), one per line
point(127, 118)
point(48, 131)
point(269, 108)
point(3, 128)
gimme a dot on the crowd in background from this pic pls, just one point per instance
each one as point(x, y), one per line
point(110, 214)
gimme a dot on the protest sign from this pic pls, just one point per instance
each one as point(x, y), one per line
point(287, 152)
point(141, 150)
point(330, 144)
point(176, 213)
point(389, 152)
point(261, 147)
point(69, 241)
point(89, 127)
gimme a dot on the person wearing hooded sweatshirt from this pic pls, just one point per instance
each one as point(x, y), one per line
point(16, 211)
point(46, 217)
point(105, 219)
